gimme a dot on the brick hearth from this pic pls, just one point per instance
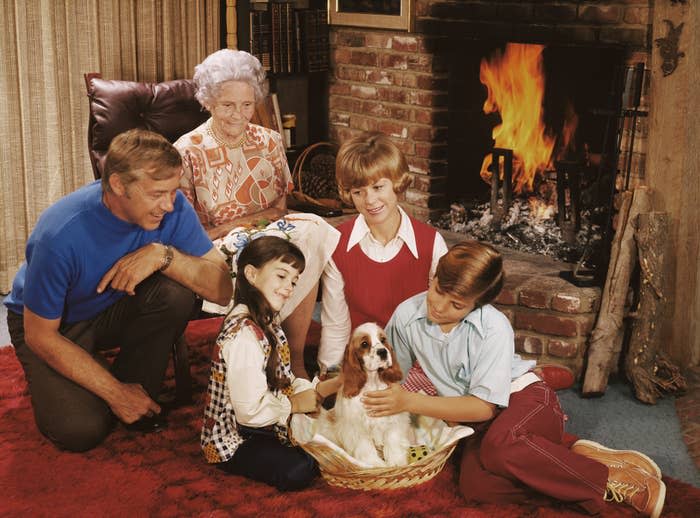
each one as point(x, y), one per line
point(552, 318)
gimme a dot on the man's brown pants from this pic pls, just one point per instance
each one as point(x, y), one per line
point(144, 327)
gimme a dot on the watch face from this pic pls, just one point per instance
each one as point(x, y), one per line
point(167, 258)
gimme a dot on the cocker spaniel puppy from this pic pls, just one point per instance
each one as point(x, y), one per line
point(369, 364)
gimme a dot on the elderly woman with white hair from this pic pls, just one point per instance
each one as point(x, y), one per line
point(235, 174)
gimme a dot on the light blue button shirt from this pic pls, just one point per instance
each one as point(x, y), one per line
point(477, 357)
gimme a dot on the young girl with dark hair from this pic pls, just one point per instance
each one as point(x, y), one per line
point(520, 450)
point(252, 391)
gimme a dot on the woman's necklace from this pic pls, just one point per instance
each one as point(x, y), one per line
point(223, 142)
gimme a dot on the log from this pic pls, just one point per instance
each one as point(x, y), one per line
point(607, 336)
point(651, 373)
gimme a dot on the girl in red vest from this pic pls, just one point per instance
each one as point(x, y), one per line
point(384, 256)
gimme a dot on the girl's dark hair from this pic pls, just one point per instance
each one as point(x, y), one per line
point(258, 253)
point(469, 269)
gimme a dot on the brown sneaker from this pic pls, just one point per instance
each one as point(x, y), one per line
point(637, 488)
point(618, 458)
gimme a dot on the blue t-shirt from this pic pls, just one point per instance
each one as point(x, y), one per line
point(477, 357)
point(77, 240)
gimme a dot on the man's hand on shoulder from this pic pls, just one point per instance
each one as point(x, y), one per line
point(134, 267)
point(133, 403)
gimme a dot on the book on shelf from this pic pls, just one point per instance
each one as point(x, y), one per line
point(286, 39)
point(313, 28)
point(289, 39)
point(276, 30)
point(297, 42)
point(260, 37)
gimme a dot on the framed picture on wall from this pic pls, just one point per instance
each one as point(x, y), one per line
point(380, 14)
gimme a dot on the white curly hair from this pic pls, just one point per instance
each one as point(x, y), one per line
point(228, 65)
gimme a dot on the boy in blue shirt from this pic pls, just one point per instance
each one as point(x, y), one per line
point(466, 349)
point(116, 263)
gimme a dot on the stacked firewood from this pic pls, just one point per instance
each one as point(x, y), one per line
point(640, 239)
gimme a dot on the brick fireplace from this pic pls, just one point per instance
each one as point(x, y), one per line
point(398, 83)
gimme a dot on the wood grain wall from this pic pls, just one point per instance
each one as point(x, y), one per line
point(673, 172)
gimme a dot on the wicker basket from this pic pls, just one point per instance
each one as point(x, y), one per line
point(314, 177)
point(340, 469)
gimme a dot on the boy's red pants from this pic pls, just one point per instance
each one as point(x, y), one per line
point(525, 452)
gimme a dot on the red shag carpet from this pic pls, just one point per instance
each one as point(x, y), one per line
point(164, 474)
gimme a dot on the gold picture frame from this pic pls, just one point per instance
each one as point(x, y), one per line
point(378, 14)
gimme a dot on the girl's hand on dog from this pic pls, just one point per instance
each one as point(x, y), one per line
point(304, 402)
point(385, 402)
point(329, 386)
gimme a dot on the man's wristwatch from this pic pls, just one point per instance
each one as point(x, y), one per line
point(167, 258)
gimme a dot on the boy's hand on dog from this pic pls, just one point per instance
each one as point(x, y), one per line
point(304, 402)
point(385, 402)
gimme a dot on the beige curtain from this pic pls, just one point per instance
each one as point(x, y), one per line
point(46, 46)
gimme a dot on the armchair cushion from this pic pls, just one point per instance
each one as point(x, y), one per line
point(168, 108)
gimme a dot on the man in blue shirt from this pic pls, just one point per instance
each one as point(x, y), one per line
point(116, 263)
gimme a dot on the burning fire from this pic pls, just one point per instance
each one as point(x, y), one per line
point(515, 82)
point(540, 209)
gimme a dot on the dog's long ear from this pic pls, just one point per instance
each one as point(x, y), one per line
point(354, 376)
point(393, 373)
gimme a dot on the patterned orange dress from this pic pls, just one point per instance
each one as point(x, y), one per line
point(225, 183)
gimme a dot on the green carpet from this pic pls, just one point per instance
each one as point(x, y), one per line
point(618, 420)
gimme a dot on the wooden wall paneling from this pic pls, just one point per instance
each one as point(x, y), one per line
point(673, 167)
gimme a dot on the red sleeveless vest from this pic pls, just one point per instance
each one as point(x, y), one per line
point(372, 289)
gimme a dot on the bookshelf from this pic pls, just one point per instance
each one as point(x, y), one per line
point(291, 40)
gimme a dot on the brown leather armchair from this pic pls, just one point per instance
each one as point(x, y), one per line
point(168, 108)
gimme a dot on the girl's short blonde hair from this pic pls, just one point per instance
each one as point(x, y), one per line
point(365, 159)
point(471, 269)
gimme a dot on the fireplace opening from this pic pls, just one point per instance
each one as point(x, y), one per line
point(534, 137)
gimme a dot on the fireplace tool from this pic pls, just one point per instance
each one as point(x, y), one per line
point(502, 185)
point(568, 198)
point(626, 91)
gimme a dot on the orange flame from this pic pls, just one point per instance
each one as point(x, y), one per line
point(515, 83)
point(568, 131)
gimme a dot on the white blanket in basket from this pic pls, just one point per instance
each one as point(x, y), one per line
point(433, 433)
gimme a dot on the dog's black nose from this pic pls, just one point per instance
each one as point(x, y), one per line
point(382, 353)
